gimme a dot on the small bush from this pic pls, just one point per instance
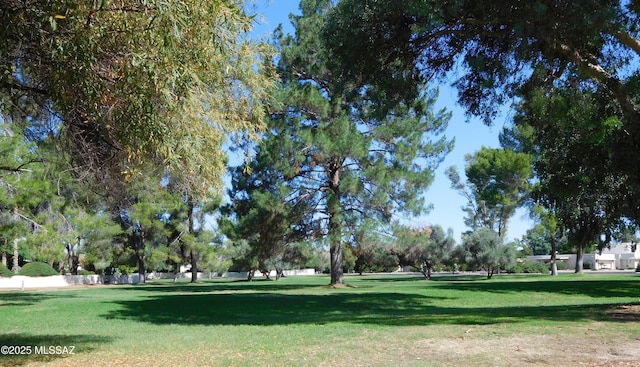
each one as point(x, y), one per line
point(530, 267)
point(126, 269)
point(86, 272)
point(638, 268)
point(37, 269)
point(587, 266)
point(561, 265)
point(5, 272)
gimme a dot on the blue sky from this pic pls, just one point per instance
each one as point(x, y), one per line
point(469, 137)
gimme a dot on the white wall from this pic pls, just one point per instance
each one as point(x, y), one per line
point(24, 282)
point(21, 281)
point(243, 274)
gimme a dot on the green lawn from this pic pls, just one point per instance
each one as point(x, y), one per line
point(381, 320)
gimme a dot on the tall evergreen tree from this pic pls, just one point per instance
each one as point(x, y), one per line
point(346, 147)
point(499, 50)
point(142, 216)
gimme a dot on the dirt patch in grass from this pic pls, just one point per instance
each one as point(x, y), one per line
point(543, 350)
point(625, 312)
point(590, 345)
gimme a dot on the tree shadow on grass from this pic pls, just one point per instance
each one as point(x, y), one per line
point(45, 348)
point(26, 298)
point(376, 278)
point(596, 288)
point(224, 285)
point(389, 309)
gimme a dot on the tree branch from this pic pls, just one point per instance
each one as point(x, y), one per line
point(599, 74)
point(628, 40)
point(20, 168)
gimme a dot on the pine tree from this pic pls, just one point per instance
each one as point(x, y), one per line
point(345, 148)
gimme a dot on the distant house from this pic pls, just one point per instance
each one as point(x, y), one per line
point(620, 256)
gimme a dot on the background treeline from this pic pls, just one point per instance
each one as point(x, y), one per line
point(117, 117)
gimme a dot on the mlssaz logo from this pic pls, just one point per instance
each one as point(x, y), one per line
point(55, 349)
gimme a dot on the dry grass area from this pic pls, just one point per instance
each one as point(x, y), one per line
point(475, 346)
point(591, 346)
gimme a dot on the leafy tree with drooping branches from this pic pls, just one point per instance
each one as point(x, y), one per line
point(129, 82)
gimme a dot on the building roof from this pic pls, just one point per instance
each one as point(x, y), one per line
point(621, 248)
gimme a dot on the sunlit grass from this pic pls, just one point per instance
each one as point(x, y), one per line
point(298, 320)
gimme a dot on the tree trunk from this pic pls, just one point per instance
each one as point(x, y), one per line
point(72, 259)
point(175, 272)
point(424, 273)
point(279, 273)
point(4, 259)
point(194, 266)
point(75, 261)
point(335, 235)
point(554, 266)
point(580, 259)
point(69, 261)
point(16, 254)
point(250, 274)
point(337, 274)
point(141, 269)
point(266, 273)
point(192, 252)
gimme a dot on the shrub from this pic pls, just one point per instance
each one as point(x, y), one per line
point(5, 272)
point(86, 272)
point(587, 266)
point(529, 267)
point(126, 269)
point(37, 269)
point(561, 265)
point(638, 268)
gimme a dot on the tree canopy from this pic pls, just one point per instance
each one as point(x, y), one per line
point(484, 249)
point(128, 81)
point(424, 248)
point(497, 184)
point(573, 139)
point(495, 47)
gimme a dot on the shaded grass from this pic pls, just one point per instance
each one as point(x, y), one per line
point(299, 319)
point(73, 343)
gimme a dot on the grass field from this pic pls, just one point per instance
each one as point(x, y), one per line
point(396, 320)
